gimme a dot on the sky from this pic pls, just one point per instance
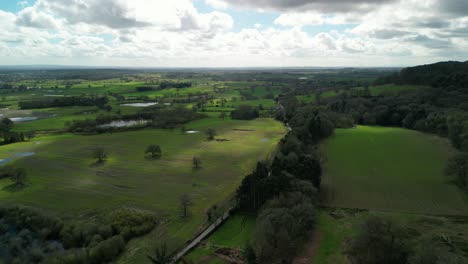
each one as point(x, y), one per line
point(233, 33)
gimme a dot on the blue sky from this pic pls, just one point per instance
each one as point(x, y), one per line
point(12, 5)
point(233, 33)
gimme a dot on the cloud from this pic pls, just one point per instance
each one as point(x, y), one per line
point(388, 33)
point(429, 42)
point(23, 3)
point(111, 13)
point(325, 6)
point(459, 7)
point(29, 17)
point(176, 33)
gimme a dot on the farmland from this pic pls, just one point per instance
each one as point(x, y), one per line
point(212, 131)
point(390, 169)
point(63, 178)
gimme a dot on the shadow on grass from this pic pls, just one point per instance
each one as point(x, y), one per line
point(97, 164)
point(13, 187)
point(149, 157)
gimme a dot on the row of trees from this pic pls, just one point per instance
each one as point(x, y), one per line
point(99, 101)
point(284, 192)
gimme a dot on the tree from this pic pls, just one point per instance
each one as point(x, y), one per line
point(213, 213)
point(245, 112)
point(458, 168)
point(99, 154)
point(19, 176)
point(249, 254)
point(210, 133)
point(282, 228)
point(223, 115)
point(154, 150)
point(456, 125)
point(185, 203)
point(161, 255)
point(30, 134)
point(196, 161)
point(379, 241)
point(430, 250)
point(5, 126)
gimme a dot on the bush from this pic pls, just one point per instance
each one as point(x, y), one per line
point(379, 241)
point(130, 223)
point(107, 250)
point(245, 112)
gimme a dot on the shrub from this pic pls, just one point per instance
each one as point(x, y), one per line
point(107, 250)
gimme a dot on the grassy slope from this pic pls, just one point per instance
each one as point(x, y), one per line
point(389, 169)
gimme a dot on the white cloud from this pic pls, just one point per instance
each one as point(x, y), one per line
point(23, 3)
point(175, 33)
point(29, 17)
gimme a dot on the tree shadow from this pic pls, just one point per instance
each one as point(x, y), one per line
point(14, 187)
point(97, 164)
point(149, 157)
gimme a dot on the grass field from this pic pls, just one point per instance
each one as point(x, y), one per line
point(389, 169)
point(64, 179)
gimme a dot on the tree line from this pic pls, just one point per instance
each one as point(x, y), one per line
point(99, 101)
point(283, 193)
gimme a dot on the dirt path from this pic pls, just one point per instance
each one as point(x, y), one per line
point(310, 249)
point(200, 237)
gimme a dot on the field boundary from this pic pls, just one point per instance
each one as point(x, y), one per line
point(193, 243)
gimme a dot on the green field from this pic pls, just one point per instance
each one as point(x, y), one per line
point(389, 169)
point(63, 178)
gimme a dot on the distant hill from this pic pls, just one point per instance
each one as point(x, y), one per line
point(441, 74)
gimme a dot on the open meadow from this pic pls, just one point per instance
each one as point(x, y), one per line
point(389, 169)
point(64, 179)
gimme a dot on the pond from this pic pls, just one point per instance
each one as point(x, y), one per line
point(141, 104)
point(16, 156)
point(23, 119)
point(122, 123)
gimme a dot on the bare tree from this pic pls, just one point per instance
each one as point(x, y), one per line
point(19, 176)
point(210, 133)
point(161, 255)
point(196, 161)
point(185, 203)
point(223, 115)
